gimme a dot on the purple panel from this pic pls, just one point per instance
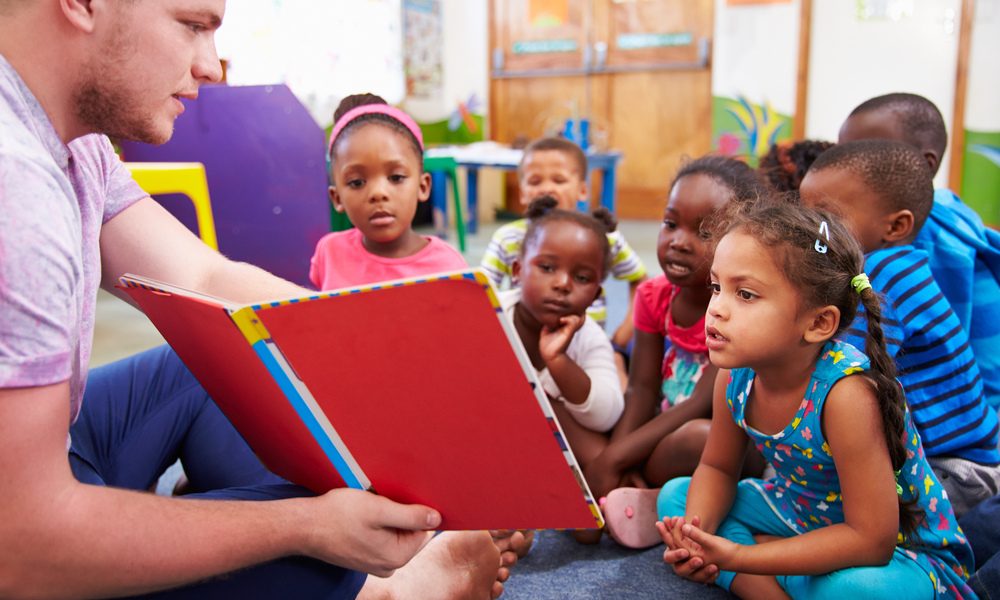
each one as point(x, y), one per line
point(265, 160)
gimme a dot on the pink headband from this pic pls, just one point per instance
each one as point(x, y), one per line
point(383, 109)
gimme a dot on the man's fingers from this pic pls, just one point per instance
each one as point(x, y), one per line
point(407, 516)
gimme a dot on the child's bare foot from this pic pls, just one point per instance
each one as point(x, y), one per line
point(630, 514)
point(529, 538)
point(588, 536)
point(454, 565)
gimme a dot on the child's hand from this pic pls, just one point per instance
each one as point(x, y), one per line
point(713, 549)
point(683, 553)
point(553, 342)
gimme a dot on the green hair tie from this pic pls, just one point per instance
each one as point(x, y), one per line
point(899, 488)
point(861, 283)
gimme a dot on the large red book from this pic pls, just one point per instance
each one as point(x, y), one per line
point(417, 390)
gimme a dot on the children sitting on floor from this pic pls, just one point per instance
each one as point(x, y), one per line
point(377, 177)
point(884, 190)
point(855, 510)
point(964, 256)
point(668, 402)
point(562, 262)
point(563, 259)
point(558, 167)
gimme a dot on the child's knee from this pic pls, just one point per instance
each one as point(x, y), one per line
point(863, 583)
point(690, 437)
point(673, 498)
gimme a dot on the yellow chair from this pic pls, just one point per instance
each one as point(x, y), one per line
point(179, 178)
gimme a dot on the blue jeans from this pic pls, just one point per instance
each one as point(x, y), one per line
point(981, 526)
point(751, 515)
point(140, 415)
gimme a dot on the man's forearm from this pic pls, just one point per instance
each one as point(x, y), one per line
point(243, 282)
point(89, 541)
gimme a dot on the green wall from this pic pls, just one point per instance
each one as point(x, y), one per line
point(981, 175)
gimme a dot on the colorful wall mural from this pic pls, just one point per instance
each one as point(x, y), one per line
point(744, 129)
point(981, 175)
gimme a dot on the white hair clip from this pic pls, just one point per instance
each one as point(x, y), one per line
point(824, 229)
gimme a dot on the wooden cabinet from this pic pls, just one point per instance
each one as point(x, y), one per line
point(639, 69)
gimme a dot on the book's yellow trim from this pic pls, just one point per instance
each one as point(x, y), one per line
point(250, 326)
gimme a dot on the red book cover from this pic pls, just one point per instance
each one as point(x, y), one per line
point(417, 390)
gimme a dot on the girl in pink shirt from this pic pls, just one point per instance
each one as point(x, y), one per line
point(668, 402)
point(377, 178)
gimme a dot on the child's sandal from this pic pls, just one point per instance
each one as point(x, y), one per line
point(630, 515)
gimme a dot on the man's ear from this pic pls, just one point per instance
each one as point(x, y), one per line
point(335, 198)
point(515, 271)
point(424, 191)
point(824, 323)
point(80, 13)
point(900, 226)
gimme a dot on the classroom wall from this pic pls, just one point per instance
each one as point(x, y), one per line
point(465, 61)
point(852, 60)
point(981, 173)
point(754, 72)
point(322, 50)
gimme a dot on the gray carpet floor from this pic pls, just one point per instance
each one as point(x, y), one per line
point(559, 568)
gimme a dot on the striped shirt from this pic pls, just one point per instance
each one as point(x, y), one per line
point(965, 260)
point(505, 246)
point(936, 367)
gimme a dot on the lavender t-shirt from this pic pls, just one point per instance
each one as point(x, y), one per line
point(53, 201)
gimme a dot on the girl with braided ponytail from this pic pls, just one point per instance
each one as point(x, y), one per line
point(855, 509)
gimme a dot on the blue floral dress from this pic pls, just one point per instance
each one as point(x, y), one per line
point(805, 494)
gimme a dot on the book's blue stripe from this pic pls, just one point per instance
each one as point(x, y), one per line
point(306, 415)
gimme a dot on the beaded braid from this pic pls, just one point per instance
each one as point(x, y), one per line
point(892, 400)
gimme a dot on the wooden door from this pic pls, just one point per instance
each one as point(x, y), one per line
point(643, 77)
point(654, 91)
point(544, 37)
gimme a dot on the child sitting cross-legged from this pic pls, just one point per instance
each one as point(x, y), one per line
point(855, 510)
point(377, 177)
point(559, 272)
point(563, 260)
point(668, 402)
point(884, 190)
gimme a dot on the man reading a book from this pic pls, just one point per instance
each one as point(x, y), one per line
point(71, 220)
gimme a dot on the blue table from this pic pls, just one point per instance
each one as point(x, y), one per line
point(507, 159)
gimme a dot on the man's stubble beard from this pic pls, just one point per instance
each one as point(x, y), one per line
point(105, 101)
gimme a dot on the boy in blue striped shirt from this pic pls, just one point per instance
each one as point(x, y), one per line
point(963, 254)
point(884, 189)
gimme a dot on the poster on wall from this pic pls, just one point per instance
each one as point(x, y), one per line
point(422, 46)
point(548, 13)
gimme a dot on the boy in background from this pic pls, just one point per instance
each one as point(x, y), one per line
point(964, 256)
point(558, 167)
point(884, 190)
